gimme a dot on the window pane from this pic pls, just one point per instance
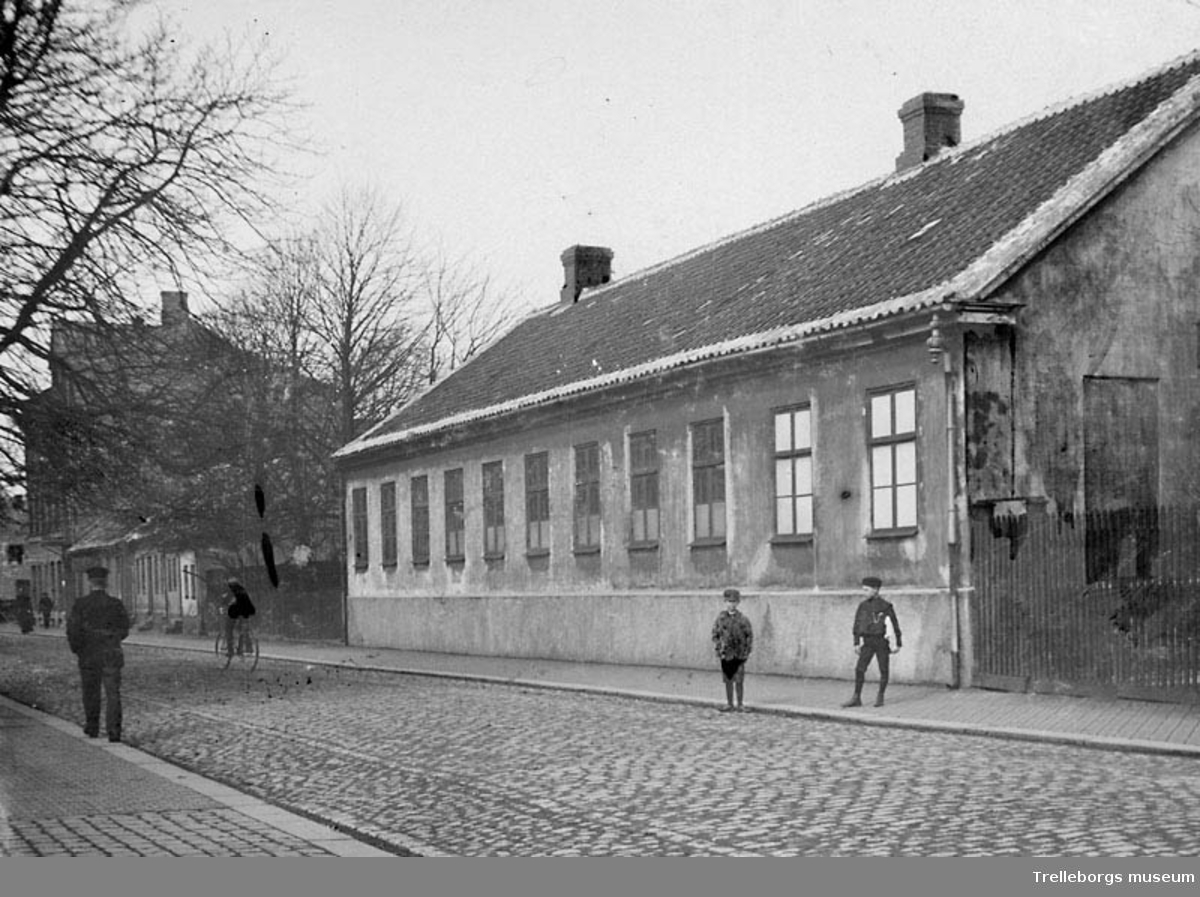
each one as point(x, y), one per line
point(783, 433)
point(881, 517)
point(804, 476)
point(784, 524)
point(803, 429)
point(652, 524)
point(784, 484)
point(702, 529)
point(906, 462)
point(906, 506)
point(906, 411)
point(718, 521)
point(881, 465)
point(881, 416)
point(639, 526)
point(804, 515)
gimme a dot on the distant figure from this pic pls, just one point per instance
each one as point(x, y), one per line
point(241, 607)
point(733, 640)
point(870, 626)
point(97, 625)
point(46, 606)
point(24, 608)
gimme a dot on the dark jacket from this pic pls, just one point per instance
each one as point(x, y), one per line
point(732, 636)
point(241, 606)
point(97, 625)
point(871, 619)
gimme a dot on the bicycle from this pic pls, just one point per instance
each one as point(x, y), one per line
point(245, 646)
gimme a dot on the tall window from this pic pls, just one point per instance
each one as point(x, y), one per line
point(894, 459)
point(793, 472)
point(419, 496)
point(643, 488)
point(587, 496)
point(387, 523)
point(493, 509)
point(358, 520)
point(537, 502)
point(708, 480)
point(454, 514)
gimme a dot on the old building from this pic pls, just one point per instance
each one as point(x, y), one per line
point(144, 455)
point(893, 380)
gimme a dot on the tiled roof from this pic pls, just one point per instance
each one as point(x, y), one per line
point(955, 226)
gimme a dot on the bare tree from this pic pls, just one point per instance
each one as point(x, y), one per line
point(466, 312)
point(116, 154)
point(365, 313)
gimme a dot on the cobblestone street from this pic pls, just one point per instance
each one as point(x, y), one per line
point(441, 766)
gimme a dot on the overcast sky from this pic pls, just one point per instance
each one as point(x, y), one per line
point(513, 129)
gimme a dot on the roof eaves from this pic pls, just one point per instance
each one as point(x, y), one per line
point(744, 344)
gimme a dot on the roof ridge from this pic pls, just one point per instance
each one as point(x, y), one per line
point(891, 177)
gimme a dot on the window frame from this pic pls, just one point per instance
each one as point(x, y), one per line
point(893, 441)
point(453, 500)
point(537, 499)
point(492, 489)
point(587, 513)
point(641, 476)
point(792, 455)
point(359, 518)
point(418, 487)
point(389, 551)
point(706, 470)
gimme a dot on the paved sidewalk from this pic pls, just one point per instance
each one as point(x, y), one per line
point(63, 794)
point(1112, 724)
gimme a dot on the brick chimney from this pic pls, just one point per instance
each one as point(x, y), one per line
point(583, 267)
point(174, 308)
point(931, 123)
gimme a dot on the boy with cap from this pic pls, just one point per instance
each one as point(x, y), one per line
point(870, 625)
point(97, 625)
point(733, 640)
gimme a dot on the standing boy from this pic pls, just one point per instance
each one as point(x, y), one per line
point(733, 640)
point(870, 626)
point(95, 629)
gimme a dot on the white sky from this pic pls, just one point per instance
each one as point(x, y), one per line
point(512, 129)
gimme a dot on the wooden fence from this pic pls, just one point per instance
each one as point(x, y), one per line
point(1106, 603)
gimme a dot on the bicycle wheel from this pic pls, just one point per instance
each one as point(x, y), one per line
point(221, 652)
point(245, 652)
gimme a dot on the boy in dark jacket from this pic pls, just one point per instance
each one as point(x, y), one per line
point(97, 625)
point(870, 626)
point(733, 640)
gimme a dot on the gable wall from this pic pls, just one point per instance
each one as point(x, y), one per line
point(1117, 297)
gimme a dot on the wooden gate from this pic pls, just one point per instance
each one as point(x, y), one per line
point(1107, 603)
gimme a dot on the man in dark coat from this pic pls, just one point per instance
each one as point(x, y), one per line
point(97, 625)
point(46, 606)
point(870, 626)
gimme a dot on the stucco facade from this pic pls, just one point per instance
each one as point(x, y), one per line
point(631, 604)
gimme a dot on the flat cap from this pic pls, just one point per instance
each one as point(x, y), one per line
point(872, 582)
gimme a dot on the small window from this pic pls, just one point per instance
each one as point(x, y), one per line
point(387, 523)
point(893, 444)
point(358, 517)
point(708, 481)
point(419, 488)
point(587, 496)
point(643, 489)
point(493, 509)
point(537, 503)
point(793, 472)
point(455, 524)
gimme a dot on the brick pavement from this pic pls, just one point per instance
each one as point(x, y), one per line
point(450, 765)
point(62, 794)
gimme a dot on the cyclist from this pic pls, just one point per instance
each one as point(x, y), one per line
point(241, 607)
